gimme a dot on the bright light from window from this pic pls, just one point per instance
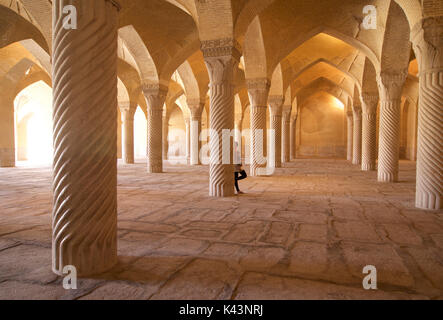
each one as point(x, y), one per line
point(33, 108)
point(337, 103)
point(140, 134)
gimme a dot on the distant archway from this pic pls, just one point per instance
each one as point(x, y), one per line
point(33, 123)
point(140, 134)
point(321, 127)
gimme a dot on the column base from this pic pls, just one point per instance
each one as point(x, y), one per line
point(257, 172)
point(427, 201)
point(220, 192)
point(368, 167)
point(221, 181)
point(7, 164)
point(262, 171)
point(387, 177)
point(7, 158)
point(129, 161)
point(86, 271)
point(152, 168)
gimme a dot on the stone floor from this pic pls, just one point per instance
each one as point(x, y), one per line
point(304, 233)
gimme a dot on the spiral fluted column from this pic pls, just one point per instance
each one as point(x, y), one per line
point(427, 39)
point(7, 135)
point(350, 123)
point(84, 218)
point(165, 145)
point(221, 57)
point(390, 89)
point(369, 131)
point(293, 129)
point(196, 108)
point(155, 96)
point(258, 90)
point(286, 134)
point(356, 137)
point(276, 112)
point(128, 136)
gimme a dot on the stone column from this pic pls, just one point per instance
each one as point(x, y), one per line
point(119, 135)
point(258, 90)
point(196, 108)
point(238, 138)
point(165, 129)
point(84, 218)
point(128, 135)
point(293, 146)
point(369, 131)
point(7, 135)
point(188, 139)
point(427, 39)
point(155, 96)
point(286, 134)
point(221, 57)
point(390, 88)
point(238, 129)
point(276, 112)
point(357, 133)
point(350, 134)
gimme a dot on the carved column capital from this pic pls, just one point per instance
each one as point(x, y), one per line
point(221, 47)
point(196, 107)
point(356, 113)
point(390, 84)
point(286, 111)
point(427, 40)
point(276, 100)
point(221, 56)
point(258, 90)
point(276, 105)
point(155, 95)
point(128, 115)
point(369, 102)
point(258, 84)
point(124, 105)
point(156, 90)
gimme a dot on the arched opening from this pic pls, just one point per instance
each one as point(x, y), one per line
point(176, 134)
point(119, 134)
point(408, 131)
point(205, 126)
point(321, 127)
point(246, 139)
point(33, 123)
point(140, 134)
